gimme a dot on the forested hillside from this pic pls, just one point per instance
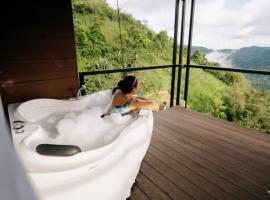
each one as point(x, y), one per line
point(224, 95)
point(253, 57)
point(257, 58)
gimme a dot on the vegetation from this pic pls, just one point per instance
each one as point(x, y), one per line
point(225, 95)
point(202, 49)
point(256, 58)
point(252, 57)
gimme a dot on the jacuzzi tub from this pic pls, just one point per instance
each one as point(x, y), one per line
point(108, 163)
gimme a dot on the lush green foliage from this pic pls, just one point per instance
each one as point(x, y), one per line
point(239, 102)
point(221, 94)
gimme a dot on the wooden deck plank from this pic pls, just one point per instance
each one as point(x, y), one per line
point(212, 133)
point(138, 194)
point(194, 177)
point(201, 138)
point(179, 180)
point(161, 181)
point(195, 156)
point(212, 155)
point(150, 189)
point(236, 184)
point(243, 141)
point(203, 166)
point(260, 137)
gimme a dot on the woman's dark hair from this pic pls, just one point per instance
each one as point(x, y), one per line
point(127, 84)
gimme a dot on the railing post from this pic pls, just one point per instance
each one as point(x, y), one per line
point(189, 50)
point(181, 53)
point(174, 50)
point(82, 82)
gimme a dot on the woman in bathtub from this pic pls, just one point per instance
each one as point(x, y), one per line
point(124, 99)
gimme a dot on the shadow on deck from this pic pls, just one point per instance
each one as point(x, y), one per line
point(195, 156)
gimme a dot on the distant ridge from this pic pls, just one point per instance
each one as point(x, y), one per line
point(253, 57)
point(226, 50)
point(201, 48)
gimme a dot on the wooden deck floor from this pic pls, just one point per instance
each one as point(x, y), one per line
point(194, 156)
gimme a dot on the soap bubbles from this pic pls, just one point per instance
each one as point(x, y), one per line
point(88, 130)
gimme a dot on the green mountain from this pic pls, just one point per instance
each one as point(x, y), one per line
point(98, 47)
point(256, 58)
point(253, 57)
point(225, 50)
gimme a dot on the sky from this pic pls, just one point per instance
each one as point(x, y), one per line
point(218, 24)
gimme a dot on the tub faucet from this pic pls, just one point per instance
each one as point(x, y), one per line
point(79, 93)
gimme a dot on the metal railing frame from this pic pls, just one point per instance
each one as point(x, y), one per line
point(245, 71)
point(181, 53)
point(191, 22)
point(174, 50)
point(132, 69)
point(120, 70)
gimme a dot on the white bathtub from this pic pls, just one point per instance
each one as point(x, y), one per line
point(103, 170)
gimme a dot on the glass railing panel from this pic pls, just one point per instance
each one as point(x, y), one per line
point(153, 84)
point(235, 97)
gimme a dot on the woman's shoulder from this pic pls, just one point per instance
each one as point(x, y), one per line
point(117, 94)
point(119, 98)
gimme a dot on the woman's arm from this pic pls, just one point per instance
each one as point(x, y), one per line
point(138, 103)
point(109, 111)
point(142, 98)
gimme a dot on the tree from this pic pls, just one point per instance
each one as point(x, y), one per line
point(199, 57)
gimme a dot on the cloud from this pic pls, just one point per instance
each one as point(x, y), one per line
point(218, 23)
point(235, 4)
point(230, 28)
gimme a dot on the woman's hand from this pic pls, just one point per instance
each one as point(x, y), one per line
point(107, 113)
point(155, 106)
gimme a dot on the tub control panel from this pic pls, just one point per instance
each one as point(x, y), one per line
point(18, 126)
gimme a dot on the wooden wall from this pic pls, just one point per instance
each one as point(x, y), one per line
point(37, 50)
